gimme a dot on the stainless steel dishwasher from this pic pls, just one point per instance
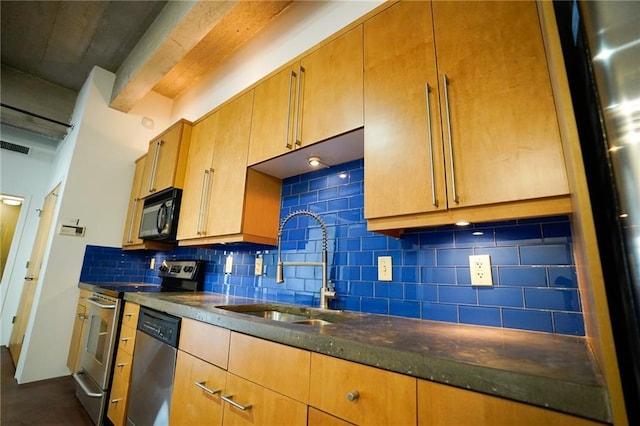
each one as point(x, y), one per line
point(153, 367)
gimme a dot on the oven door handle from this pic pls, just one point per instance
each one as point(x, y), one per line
point(85, 387)
point(100, 305)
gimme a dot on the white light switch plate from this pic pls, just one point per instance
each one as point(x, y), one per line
point(258, 267)
point(228, 264)
point(480, 267)
point(384, 268)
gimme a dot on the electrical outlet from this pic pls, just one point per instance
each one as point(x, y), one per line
point(384, 268)
point(258, 268)
point(152, 264)
point(228, 264)
point(480, 267)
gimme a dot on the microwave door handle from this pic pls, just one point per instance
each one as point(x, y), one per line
point(161, 218)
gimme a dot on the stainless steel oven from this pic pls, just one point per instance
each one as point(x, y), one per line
point(93, 379)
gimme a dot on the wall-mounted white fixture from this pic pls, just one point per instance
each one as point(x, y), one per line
point(317, 162)
point(148, 123)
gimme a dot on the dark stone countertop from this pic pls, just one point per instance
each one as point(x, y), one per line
point(547, 370)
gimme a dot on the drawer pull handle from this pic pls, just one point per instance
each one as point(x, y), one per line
point(128, 314)
point(352, 396)
point(202, 386)
point(125, 339)
point(228, 399)
point(121, 364)
point(116, 400)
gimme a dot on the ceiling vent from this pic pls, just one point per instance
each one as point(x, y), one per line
point(14, 147)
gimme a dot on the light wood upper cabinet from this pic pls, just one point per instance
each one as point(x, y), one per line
point(197, 177)
point(134, 212)
point(314, 99)
point(361, 394)
point(79, 332)
point(442, 405)
point(223, 201)
point(475, 137)
point(167, 159)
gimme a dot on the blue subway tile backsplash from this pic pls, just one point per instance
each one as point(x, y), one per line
point(535, 284)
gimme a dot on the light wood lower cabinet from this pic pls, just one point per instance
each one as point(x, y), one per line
point(269, 383)
point(196, 392)
point(444, 405)
point(320, 418)
point(250, 393)
point(79, 332)
point(361, 394)
point(117, 404)
point(254, 404)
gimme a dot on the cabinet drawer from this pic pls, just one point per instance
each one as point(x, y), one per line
point(123, 364)
point(361, 394)
point(266, 407)
point(190, 403)
point(130, 315)
point(320, 418)
point(205, 341)
point(274, 360)
point(118, 401)
point(440, 404)
point(127, 339)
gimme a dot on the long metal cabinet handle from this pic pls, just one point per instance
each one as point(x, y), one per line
point(228, 399)
point(287, 140)
point(204, 211)
point(202, 386)
point(298, 101)
point(445, 81)
point(205, 173)
point(154, 166)
point(434, 200)
point(132, 219)
point(100, 305)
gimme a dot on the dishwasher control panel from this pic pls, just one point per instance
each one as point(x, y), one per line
point(159, 325)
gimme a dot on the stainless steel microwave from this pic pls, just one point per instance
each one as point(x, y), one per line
point(160, 215)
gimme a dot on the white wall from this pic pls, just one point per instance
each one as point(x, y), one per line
point(95, 164)
point(25, 176)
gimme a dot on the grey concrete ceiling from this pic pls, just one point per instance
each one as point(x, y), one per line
point(48, 49)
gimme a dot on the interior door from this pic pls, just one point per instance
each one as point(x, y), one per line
point(33, 273)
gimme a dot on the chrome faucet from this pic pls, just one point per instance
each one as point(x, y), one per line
point(325, 292)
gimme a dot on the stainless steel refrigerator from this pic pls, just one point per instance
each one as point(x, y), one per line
point(601, 46)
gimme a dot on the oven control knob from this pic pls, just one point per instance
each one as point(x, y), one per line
point(164, 268)
point(188, 269)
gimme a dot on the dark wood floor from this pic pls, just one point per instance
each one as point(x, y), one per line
point(48, 402)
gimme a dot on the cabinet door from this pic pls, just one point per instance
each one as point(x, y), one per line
point(272, 122)
point(165, 163)
point(404, 168)
point(134, 212)
point(197, 178)
point(257, 405)
point(117, 403)
point(196, 392)
point(504, 133)
point(331, 89)
point(361, 394)
point(79, 333)
point(442, 405)
point(229, 171)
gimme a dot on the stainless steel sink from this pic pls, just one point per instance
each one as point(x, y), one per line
point(291, 314)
